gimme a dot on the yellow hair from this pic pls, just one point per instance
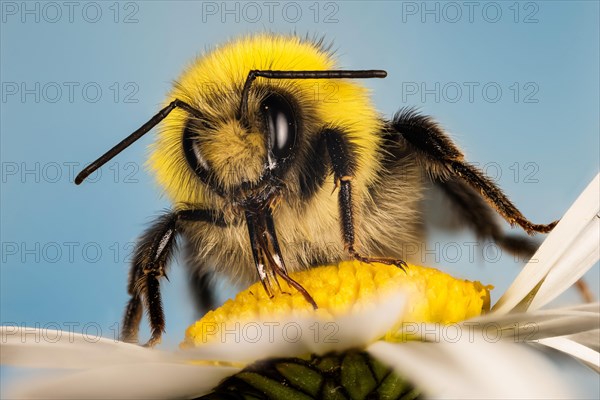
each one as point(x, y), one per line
point(212, 84)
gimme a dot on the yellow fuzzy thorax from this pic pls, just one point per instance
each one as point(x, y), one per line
point(432, 296)
point(213, 85)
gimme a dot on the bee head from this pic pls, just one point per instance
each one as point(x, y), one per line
point(244, 123)
point(248, 136)
point(244, 158)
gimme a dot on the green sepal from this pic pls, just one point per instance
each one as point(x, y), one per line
point(357, 377)
point(351, 375)
point(272, 388)
point(301, 376)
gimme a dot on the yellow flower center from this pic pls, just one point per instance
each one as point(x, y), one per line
point(350, 286)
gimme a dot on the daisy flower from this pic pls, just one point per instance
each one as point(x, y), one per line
point(379, 332)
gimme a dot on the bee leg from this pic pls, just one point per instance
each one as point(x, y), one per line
point(442, 160)
point(151, 256)
point(474, 213)
point(276, 259)
point(478, 215)
point(202, 287)
point(133, 311)
point(254, 231)
point(341, 155)
point(153, 252)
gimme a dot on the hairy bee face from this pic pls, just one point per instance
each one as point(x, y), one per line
point(225, 160)
point(245, 160)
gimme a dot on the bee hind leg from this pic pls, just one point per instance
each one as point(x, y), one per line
point(467, 186)
point(442, 159)
point(474, 213)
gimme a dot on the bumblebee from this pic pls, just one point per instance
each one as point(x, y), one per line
point(252, 157)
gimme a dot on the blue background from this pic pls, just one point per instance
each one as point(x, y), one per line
point(52, 274)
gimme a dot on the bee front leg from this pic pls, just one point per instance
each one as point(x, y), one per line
point(342, 158)
point(152, 255)
point(133, 311)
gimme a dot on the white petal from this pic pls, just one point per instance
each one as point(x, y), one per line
point(134, 381)
point(363, 327)
point(102, 368)
point(29, 347)
point(566, 254)
point(534, 325)
point(473, 369)
point(267, 343)
point(288, 338)
point(589, 339)
point(583, 253)
point(589, 356)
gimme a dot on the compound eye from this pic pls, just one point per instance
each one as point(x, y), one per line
point(280, 120)
point(191, 149)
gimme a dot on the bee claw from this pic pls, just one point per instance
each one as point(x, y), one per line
point(335, 185)
point(153, 341)
point(388, 261)
point(401, 264)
